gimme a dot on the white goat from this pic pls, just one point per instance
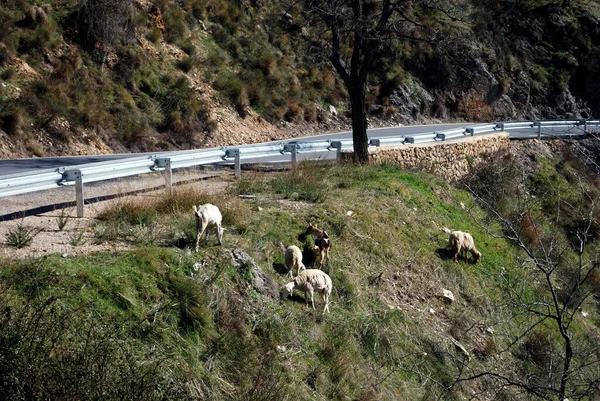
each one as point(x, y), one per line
point(206, 215)
point(293, 258)
point(460, 243)
point(309, 281)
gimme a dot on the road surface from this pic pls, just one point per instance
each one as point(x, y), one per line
point(15, 166)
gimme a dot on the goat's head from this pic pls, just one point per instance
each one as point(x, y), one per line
point(311, 229)
point(476, 256)
point(287, 290)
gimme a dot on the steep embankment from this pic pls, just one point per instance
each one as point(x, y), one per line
point(115, 76)
point(162, 322)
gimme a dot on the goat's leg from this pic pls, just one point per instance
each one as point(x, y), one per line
point(200, 228)
point(220, 233)
point(312, 298)
point(326, 300)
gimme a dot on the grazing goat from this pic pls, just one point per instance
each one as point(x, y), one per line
point(206, 215)
point(461, 242)
point(309, 281)
point(322, 242)
point(293, 258)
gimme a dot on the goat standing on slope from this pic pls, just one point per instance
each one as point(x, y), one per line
point(206, 215)
point(322, 242)
point(293, 258)
point(309, 281)
point(460, 243)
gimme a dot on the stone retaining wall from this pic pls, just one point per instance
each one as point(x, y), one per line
point(450, 160)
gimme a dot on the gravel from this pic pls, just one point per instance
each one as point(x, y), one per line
point(43, 211)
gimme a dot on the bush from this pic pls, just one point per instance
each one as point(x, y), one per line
point(176, 27)
point(130, 212)
point(234, 88)
point(302, 183)
point(21, 236)
point(52, 352)
point(106, 21)
point(187, 63)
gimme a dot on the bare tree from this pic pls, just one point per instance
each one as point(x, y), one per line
point(558, 230)
point(354, 36)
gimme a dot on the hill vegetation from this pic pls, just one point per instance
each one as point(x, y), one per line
point(159, 322)
point(82, 76)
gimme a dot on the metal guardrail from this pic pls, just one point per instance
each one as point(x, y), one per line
point(77, 176)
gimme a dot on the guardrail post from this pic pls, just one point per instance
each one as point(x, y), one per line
point(584, 123)
point(293, 149)
point(238, 166)
point(165, 162)
point(77, 177)
point(500, 125)
point(538, 123)
point(337, 145)
point(79, 197)
point(470, 131)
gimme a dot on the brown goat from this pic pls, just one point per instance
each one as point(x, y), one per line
point(322, 242)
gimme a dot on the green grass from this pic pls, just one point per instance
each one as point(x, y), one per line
point(388, 265)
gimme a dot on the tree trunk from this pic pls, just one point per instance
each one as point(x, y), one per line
point(566, 373)
point(359, 123)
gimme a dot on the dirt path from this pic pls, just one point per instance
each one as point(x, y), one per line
point(42, 213)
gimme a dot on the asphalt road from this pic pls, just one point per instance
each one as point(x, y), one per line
point(15, 166)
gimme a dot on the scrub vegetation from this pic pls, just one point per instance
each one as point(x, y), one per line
point(161, 322)
point(145, 75)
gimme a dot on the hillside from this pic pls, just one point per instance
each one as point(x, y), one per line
point(159, 322)
point(83, 77)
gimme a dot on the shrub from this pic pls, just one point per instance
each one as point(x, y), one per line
point(77, 237)
point(182, 201)
point(310, 114)
point(62, 219)
point(7, 73)
point(128, 211)
point(14, 122)
point(234, 88)
point(154, 35)
point(302, 183)
point(106, 21)
point(187, 63)
point(294, 113)
point(175, 25)
point(21, 236)
point(51, 351)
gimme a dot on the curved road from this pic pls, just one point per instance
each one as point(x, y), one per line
point(14, 166)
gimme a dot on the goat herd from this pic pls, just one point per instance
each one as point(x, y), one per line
point(311, 280)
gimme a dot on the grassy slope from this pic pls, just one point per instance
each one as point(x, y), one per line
point(389, 335)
